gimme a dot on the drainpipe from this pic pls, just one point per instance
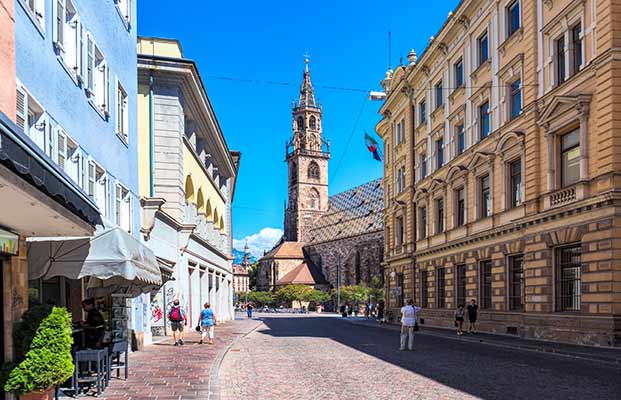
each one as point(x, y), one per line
point(151, 146)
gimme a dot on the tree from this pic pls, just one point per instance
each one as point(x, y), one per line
point(376, 289)
point(291, 293)
point(252, 275)
point(354, 294)
point(316, 296)
point(260, 298)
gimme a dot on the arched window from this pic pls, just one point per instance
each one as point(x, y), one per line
point(200, 202)
point(314, 199)
point(189, 189)
point(216, 218)
point(208, 210)
point(300, 123)
point(313, 123)
point(313, 170)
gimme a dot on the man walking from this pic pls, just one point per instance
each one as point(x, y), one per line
point(177, 319)
point(472, 309)
point(408, 321)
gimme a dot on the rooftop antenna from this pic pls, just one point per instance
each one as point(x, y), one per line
point(389, 51)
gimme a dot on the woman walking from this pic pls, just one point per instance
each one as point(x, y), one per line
point(459, 319)
point(206, 321)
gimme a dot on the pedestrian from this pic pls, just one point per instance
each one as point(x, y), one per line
point(472, 309)
point(356, 310)
point(459, 319)
point(206, 322)
point(344, 311)
point(380, 312)
point(94, 326)
point(350, 310)
point(408, 321)
point(177, 319)
point(249, 310)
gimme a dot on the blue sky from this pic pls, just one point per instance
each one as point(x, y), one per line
point(265, 41)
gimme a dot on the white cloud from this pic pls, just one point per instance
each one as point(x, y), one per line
point(259, 242)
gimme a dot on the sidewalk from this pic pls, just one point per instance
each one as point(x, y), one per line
point(163, 371)
point(609, 355)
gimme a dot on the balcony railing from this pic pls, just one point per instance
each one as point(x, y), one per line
point(563, 196)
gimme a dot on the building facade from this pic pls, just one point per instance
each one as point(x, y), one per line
point(187, 183)
point(241, 280)
point(501, 170)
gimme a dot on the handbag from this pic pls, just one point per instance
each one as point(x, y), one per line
point(198, 328)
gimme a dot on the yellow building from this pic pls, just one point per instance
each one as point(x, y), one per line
point(502, 172)
point(187, 178)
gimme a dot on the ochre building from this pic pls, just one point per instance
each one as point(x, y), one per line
point(502, 170)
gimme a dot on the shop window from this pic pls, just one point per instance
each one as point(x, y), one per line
point(516, 283)
point(441, 287)
point(570, 158)
point(568, 278)
point(485, 269)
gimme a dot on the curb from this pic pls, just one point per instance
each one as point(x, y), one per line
point(533, 348)
point(214, 388)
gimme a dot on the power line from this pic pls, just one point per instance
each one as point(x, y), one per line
point(350, 136)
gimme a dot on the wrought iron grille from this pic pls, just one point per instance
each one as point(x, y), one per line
point(441, 287)
point(516, 283)
point(568, 278)
point(486, 284)
point(424, 290)
point(460, 271)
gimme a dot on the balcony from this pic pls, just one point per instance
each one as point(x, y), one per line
point(314, 150)
point(566, 195)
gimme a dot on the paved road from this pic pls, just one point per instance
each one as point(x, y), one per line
point(311, 357)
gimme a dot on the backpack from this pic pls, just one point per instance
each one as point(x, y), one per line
point(175, 314)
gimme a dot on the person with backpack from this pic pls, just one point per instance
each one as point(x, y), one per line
point(177, 319)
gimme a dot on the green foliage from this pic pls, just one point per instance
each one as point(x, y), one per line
point(291, 293)
point(316, 296)
point(260, 298)
point(353, 294)
point(376, 289)
point(48, 362)
point(252, 275)
point(24, 331)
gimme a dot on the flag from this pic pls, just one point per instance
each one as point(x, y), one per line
point(372, 145)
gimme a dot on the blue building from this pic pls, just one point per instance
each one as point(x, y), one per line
point(76, 99)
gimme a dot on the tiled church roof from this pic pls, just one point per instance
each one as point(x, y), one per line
point(304, 274)
point(355, 212)
point(286, 250)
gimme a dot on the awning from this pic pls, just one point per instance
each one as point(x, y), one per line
point(114, 261)
point(26, 159)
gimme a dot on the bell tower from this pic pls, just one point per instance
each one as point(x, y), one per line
point(307, 156)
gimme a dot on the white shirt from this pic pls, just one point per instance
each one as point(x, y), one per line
point(408, 315)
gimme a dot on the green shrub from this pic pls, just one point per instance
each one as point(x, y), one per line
point(48, 363)
point(25, 330)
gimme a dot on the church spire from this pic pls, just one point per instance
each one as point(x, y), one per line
point(307, 93)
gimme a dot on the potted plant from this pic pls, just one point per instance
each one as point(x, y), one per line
point(48, 362)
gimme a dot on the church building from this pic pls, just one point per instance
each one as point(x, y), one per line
point(325, 238)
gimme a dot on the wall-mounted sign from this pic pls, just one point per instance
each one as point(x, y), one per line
point(9, 243)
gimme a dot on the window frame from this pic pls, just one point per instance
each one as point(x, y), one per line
point(484, 120)
point(515, 93)
point(560, 62)
point(511, 29)
point(576, 42)
point(36, 14)
point(122, 112)
point(516, 300)
point(485, 284)
point(562, 152)
point(559, 267)
point(460, 284)
point(439, 145)
point(460, 207)
point(422, 112)
point(440, 215)
point(515, 191)
point(424, 289)
point(438, 95)
point(482, 39)
point(441, 287)
point(458, 72)
point(460, 138)
point(124, 8)
point(422, 225)
point(485, 206)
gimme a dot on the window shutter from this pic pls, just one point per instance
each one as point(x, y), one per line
point(49, 140)
point(106, 88)
point(79, 50)
point(22, 107)
point(61, 157)
point(90, 63)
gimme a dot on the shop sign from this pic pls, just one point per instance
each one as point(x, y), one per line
point(9, 243)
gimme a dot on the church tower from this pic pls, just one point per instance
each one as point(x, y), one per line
point(307, 156)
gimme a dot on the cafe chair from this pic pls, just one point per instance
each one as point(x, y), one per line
point(83, 374)
point(118, 359)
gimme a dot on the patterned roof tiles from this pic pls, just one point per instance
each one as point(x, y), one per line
point(355, 212)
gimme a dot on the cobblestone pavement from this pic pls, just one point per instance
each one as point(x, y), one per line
point(312, 357)
point(163, 371)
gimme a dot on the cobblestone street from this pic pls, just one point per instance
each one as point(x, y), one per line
point(311, 357)
point(163, 371)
